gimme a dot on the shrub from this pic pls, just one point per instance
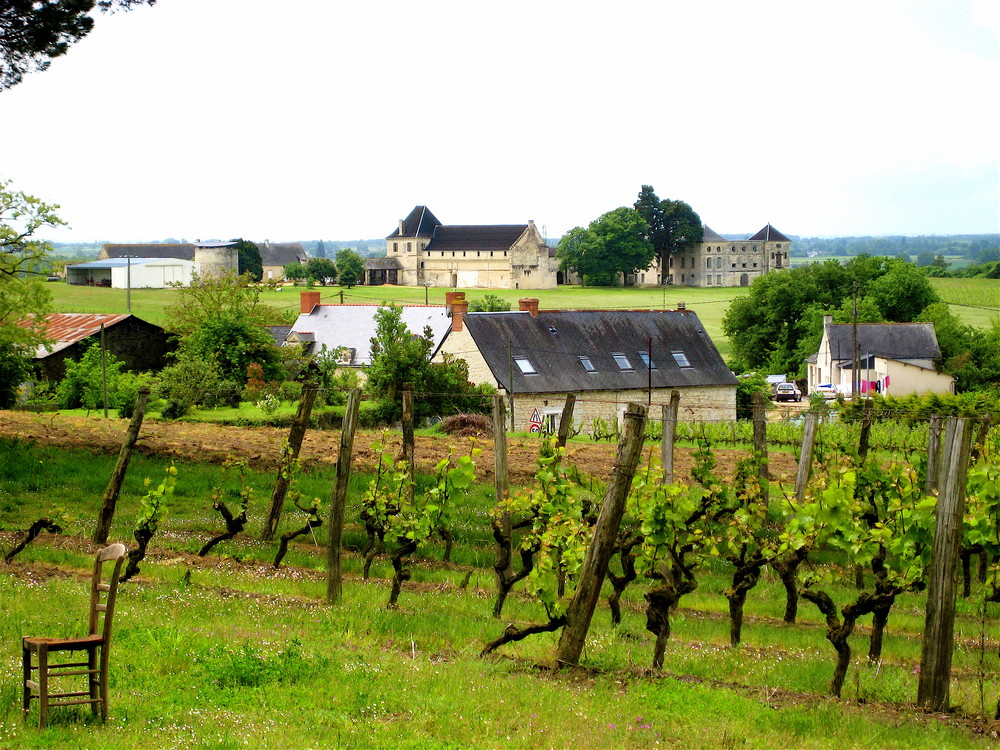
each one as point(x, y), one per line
point(468, 425)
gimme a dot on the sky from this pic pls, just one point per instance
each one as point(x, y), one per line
point(313, 119)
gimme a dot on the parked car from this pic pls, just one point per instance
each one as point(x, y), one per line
point(828, 390)
point(787, 392)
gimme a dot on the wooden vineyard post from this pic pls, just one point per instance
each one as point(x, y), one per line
point(501, 482)
point(939, 624)
point(338, 500)
point(806, 455)
point(409, 452)
point(935, 431)
point(595, 564)
point(566, 420)
point(114, 487)
point(669, 433)
point(295, 435)
point(864, 439)
point(760, 444)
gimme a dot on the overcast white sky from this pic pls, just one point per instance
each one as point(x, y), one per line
point(310, 119)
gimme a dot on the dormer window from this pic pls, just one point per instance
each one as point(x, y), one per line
point(525, 366)
point(587, 364)
point(680, 358)
point(622, 361)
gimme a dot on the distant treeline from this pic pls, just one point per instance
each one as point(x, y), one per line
point(974, 247)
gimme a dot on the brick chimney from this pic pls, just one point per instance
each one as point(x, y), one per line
point(458, 310)
point(307, 301)
point(451, 297)
point(528, 304)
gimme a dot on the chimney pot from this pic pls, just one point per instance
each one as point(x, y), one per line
point(681, 306)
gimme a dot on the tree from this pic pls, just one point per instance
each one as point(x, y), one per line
point(248, 258)
point(23, 294)
point(294, 271)
point(32, 32)
point(399, 357)
point(612, 245)
point(671, 225)
point(321, 270)
point(350, 267)
point(320, 249)
point(221, 318)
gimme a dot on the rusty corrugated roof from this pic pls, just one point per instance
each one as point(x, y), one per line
point(65, 329)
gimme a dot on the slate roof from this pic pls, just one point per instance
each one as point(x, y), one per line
point(353, 326)
point(278, 333)
point(710, 235)
point(118, 262)
point(382, 264)
point(901, 341)
point(65, 329)
point(281, 253)
point(420, 223)
point(182, 250)
point(498, 237)
point(553, 343)
point(769, 234)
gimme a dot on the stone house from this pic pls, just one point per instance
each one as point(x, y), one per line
point(716, 261)
point(606, 357)
point(140, 345)
point(502, 256)
point(893, 359)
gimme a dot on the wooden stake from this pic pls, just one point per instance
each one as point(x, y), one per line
point(295, 436)
point(760, 444)
point(114, 487)
point(669, 432)
point(566, 420)
point(595, 564)
point(935, 430)
point(338, 500)
point(934, 686)
point(806, 455)
point(501, 479)
point(409, 451)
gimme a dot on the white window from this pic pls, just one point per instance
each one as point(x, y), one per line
point(524, 364)
point(622, 361)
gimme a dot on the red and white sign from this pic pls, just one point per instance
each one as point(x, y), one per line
point(535, 423)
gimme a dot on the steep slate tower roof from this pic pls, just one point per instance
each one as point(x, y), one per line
point(769, 234)
point(420, 223)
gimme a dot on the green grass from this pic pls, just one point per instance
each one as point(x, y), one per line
point(226, 652)
point(975, 302)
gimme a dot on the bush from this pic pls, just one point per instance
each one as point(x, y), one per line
point(468, 425)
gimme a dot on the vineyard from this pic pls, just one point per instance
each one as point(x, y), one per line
point(742, 594)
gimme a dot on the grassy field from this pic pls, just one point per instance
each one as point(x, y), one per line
point(974, 301)
point(226, 652)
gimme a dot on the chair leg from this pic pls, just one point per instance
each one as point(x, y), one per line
point(104, 682)
point(93, 679)
point(43, 686)
point(26, 669)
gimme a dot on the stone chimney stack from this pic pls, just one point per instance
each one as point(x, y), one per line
point(528, 304)
point(827, 320)
point(307, 301)
point(681, 306)
point(459, 307)
point(402, 232)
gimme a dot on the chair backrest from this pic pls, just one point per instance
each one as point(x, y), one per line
point(103, 594)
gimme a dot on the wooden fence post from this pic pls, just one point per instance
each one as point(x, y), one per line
point(669, 433)
point(934, 686)
point(806, 455)
point(864, 439)
point(595, 564)
point(935, 430)
point(295, 435)
point(501, 480)
point(114, 487)
point(338, 500)
point(566, 420)
point(409, 450)
point(760, 444)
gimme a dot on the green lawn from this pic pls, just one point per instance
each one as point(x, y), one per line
point(226, 652)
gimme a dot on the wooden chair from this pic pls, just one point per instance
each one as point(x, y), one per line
point(97, 640)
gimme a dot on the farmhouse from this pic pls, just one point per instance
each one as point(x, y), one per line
point(422, 251)
point(140, 345)
point(893, 358)
point(353, 326)
point(716, 261)
point(606, 357)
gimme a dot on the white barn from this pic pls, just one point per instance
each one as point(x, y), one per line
point(135, 273)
